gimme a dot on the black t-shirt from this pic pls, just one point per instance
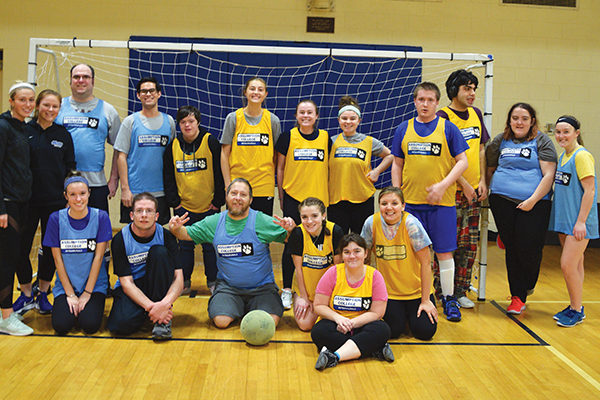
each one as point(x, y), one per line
point(119, 255)
point(296, 240)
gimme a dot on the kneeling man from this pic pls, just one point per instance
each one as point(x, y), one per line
point(149, 280)
point(241, 238)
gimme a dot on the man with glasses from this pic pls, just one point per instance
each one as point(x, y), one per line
point(140, 144)
point(149, 280)
point(91, 122)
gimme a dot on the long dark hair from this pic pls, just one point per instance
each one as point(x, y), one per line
point(509, 134)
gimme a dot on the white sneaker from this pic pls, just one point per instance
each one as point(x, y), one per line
point(465, 302)
point(286, 298)
point(13, 326)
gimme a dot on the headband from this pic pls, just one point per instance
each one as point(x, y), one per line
point(74, 179)
point(20, 85)
point(574, 123)
point(349, 107)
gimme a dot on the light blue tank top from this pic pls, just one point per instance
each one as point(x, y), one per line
point(137, 252)
point(243, 261)
point(567, 200)
point(89, 132)
point(145, 157)
point(518, 173)
point(77, 248)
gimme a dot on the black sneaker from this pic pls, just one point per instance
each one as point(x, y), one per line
point(161, 331)
point(326, 359)
point(385, 353)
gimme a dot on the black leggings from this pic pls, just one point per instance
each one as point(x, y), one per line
point(290, 209)
point(264, 204)
point(10, 244)
point(368, 338)
point(351, 216)
point(99, 197)
point(89, 319)
point(126, 316)
point(399, 312)
point(523, 234)
point(46, 268)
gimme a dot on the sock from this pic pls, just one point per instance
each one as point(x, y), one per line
point(335, 353)
point(447, 276)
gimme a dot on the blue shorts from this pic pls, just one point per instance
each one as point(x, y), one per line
point(440, 224)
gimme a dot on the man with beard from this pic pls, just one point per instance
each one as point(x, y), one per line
point(241, 238)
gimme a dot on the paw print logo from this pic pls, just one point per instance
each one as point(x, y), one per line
point(247, 249)
point(525, 153)
point(264, 139)
point(366, 303)
point(91, 245)
point(361, 154)
point(329, 259)
point(93, 123)
point(566, 178)
point(379, 251)
point(201, 164)
point(164, 140)
point(320, 155)
point(436, 149)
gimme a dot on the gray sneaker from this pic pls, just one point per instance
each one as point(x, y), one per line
point(385, 353)
point(161, 331)
point(326, 359)
point(13, 326)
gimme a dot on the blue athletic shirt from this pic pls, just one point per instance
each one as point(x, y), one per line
point(566, 204)
point(89, 132)
point(77, 240)
point(145, 157)
point(137, 252)
point(243, 261)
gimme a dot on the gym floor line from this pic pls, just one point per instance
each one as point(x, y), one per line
point(537, 338)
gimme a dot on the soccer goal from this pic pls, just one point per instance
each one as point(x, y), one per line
point(210, 75)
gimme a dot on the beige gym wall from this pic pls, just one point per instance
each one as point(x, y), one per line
point(549, 56)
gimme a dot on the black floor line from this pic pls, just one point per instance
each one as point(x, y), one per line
point(531, 333)
point(292, 341)
point(539, 340)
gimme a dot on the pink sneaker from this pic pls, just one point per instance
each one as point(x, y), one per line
point(516, 306)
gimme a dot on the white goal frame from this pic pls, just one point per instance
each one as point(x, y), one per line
point(480, 61)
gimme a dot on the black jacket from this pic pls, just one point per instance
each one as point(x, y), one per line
point(52, 157)
point(15, 174)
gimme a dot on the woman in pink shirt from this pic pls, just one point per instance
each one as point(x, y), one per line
point(350, 300)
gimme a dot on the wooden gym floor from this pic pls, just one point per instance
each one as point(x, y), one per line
point(488, 355)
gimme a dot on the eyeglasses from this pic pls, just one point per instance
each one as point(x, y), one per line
point(148, 91)
point(142, 211)
point(81, 77)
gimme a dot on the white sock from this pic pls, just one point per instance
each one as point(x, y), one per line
point(447, 276)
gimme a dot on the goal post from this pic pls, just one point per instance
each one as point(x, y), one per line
point(203, 74)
